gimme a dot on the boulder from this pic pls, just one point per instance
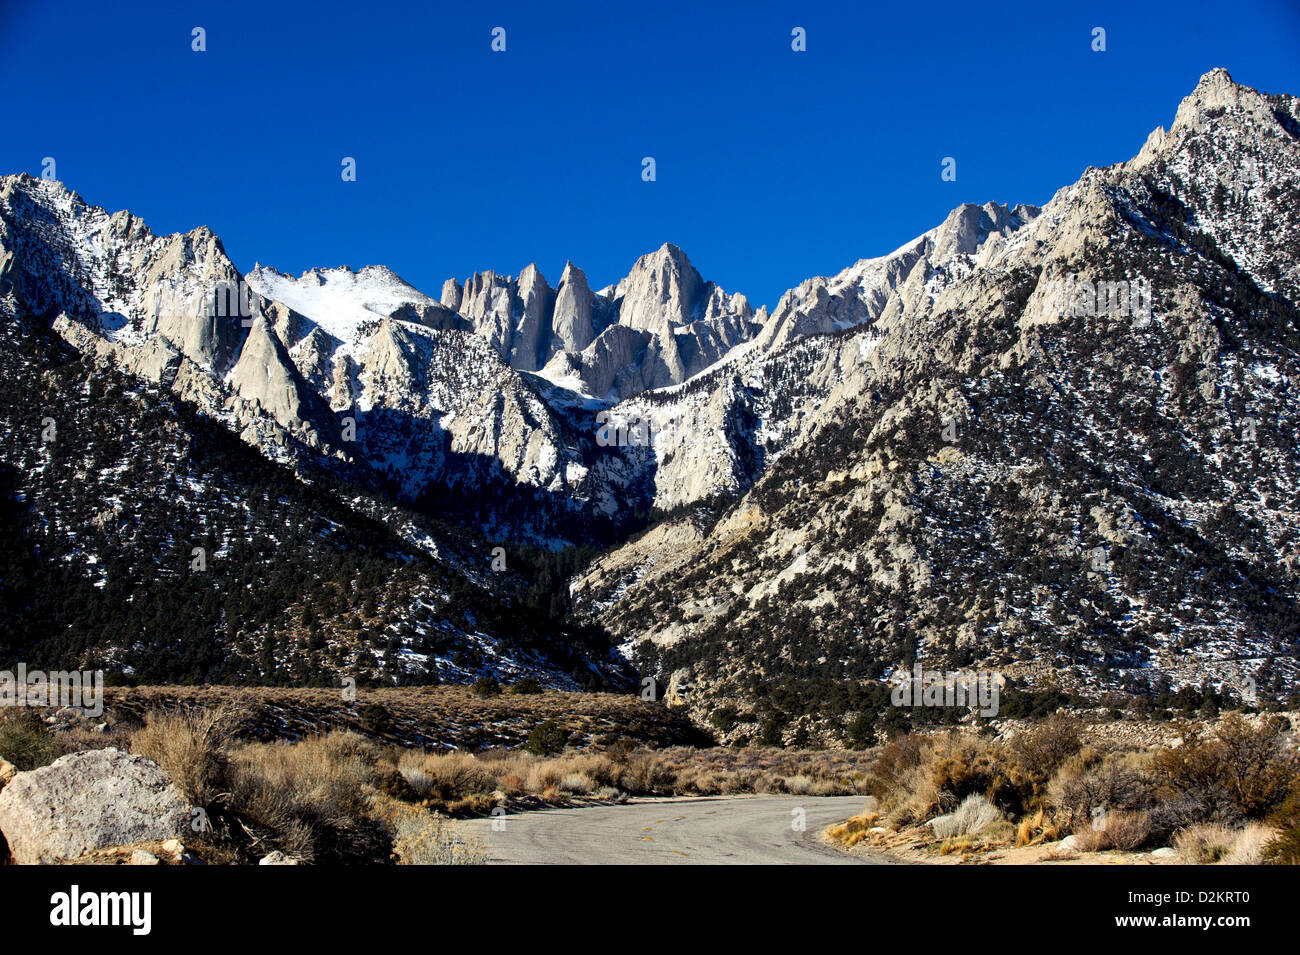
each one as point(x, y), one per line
point(87, 801)
point(276, 857)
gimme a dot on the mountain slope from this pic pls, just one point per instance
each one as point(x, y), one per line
point(146, 540)
point(1014, 478)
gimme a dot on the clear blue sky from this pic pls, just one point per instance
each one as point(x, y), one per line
point(772, 165)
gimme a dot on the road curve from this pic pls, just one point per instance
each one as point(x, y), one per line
point(718, 830)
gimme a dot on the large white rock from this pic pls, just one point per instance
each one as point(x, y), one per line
point(87, 801)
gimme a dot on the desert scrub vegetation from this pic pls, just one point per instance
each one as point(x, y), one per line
point(461, 783)
point(1229, 792)
point(1210, 843)
point(856, 829)
point(425, 717)
point(325, 798)
point(973, 816)
point(435, 840)
point(192, 745)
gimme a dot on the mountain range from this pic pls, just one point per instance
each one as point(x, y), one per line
point(1054, 441)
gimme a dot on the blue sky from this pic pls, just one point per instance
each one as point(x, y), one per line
point(772, 165)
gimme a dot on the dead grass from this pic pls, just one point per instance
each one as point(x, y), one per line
point(1213, 843)
point(1035, 828)
point(26, 742)
point(191, 744)
point(854, 830)
point(1204, 844)
point(1125, 831)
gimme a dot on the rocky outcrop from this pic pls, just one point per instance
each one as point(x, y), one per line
point(276, 857)
point(88, 801)
point(531, 335)
point(451, 294)
point(571, 322)
point(690, 323)
point(663, 289)
point(896, 284)
point(694, 323)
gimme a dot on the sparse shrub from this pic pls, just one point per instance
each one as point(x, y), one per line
point(646, 774)
point(191, 745)
point(1248, 848)
point(897, 759)
point(902, 781)
point(1125, 831)
point(1204, 844)
point(576, 783)
point(452, 775)
point(962, 766)
point(1088, 780)
point(1043, 748)
point(1169, 815)
point(395, 785)
point(528, 686)
point(486, 686)
point(375, 718)
point(546, 739)
point(311, 797)
point(435, 840)
point(970, 818)
point(800, 784)
point(415, 775)
point(1243, 770)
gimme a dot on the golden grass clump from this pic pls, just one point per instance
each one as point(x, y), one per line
point(855, 829)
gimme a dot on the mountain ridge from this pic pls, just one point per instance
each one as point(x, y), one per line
point(877, 425)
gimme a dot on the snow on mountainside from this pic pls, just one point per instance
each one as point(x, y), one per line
point(339, 300)
point(361, 367)
point(144, 539)
point(1065, 452)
